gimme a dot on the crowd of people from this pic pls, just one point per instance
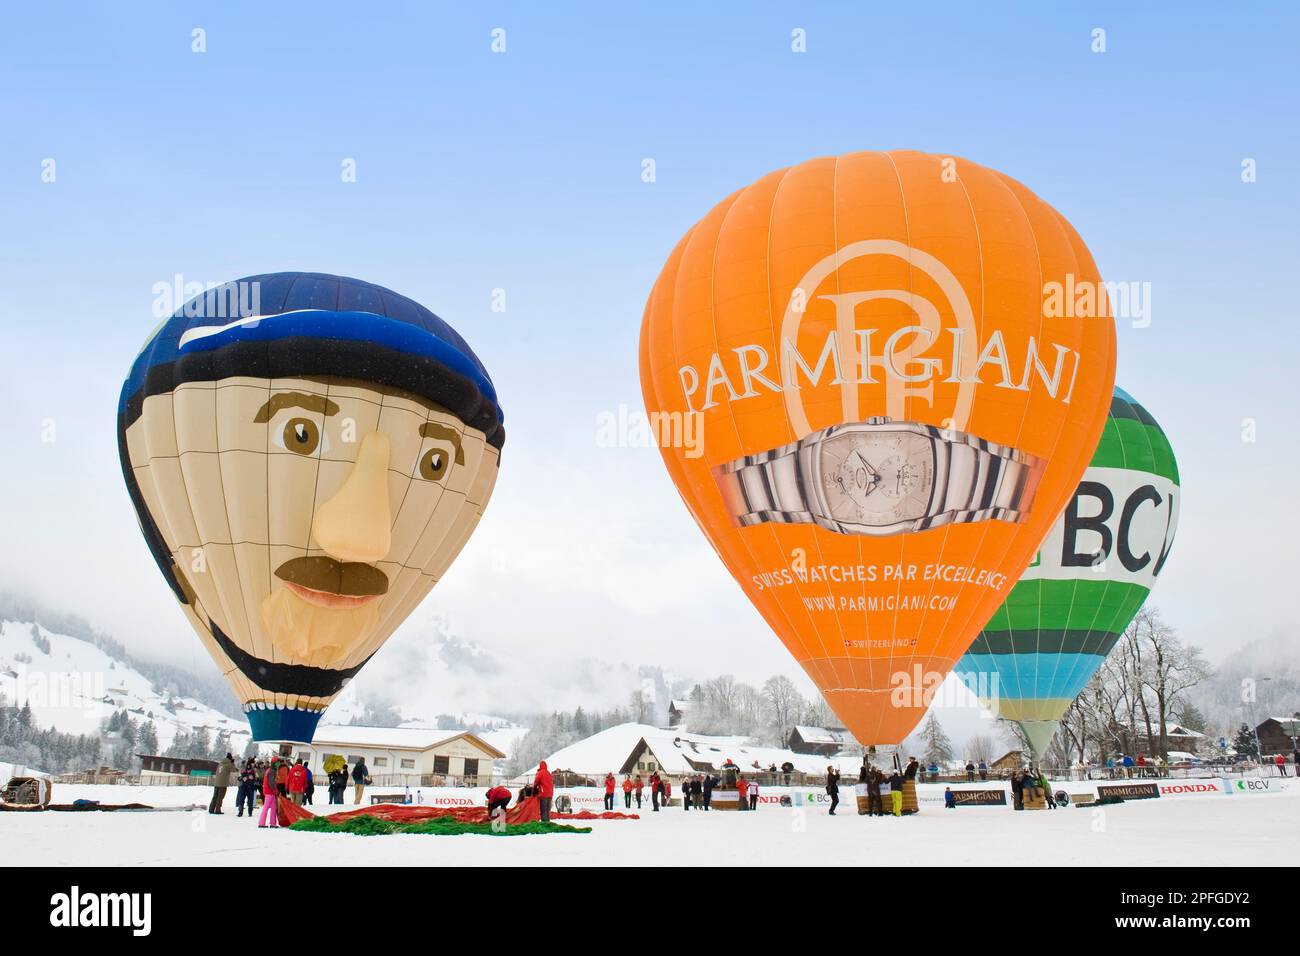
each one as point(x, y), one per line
point(1029, 781)
point(278, 776)
point(876, 787)
point(262, 779)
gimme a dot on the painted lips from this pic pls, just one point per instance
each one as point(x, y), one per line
point(325, 582)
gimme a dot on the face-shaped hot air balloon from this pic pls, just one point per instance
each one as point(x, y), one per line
point(1090, 577)
point(901, 363)
point(306, 455)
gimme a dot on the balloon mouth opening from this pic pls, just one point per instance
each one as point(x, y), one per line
point(328, 599)
point(282, 725)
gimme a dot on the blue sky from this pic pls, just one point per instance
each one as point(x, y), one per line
point(522, 171)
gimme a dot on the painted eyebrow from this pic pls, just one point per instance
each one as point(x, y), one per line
point(313, 403)
point(435, 430)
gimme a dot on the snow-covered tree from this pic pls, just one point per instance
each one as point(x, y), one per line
point(148, 738)
point(784, 703)
point(938, 748)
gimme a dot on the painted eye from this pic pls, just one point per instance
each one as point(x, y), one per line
point(433, 465)
point(301, 436)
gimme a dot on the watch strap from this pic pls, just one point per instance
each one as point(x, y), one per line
point(766, 488)
point(985, 481)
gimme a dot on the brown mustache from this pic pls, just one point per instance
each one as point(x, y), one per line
point(323, 573)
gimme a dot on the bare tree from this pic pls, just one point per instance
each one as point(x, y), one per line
point(785, 703)
point(721, 695)
point(981, 747)
point(1013, 736)
point(749, 710)
point(1170, 669)
point(640, 707)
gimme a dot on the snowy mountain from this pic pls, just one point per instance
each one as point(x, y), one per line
point(73, 686)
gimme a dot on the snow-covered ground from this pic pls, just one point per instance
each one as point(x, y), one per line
point(1203, 827)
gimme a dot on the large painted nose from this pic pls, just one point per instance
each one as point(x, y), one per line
point(355, 524)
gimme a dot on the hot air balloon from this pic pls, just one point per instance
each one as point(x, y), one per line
point(900, 365)
point(306, 454)
point(1088, 580)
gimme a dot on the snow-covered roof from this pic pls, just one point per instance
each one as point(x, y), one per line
point(680, 704)
point(395, 738)
point(821, 735)
point(679, 752)
point(1179, 730)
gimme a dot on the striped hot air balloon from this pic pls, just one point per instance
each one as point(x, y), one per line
point(1088, 581)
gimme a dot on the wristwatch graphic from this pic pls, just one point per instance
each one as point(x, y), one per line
point(881, 477)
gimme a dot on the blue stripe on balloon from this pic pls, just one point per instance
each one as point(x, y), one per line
point(316, 323)
point(1030, 676)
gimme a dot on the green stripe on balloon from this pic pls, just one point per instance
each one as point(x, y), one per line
point(1053, 630)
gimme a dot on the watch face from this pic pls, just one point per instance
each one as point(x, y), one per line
point(877, 478)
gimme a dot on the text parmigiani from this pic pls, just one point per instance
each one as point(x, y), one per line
point(912, 354)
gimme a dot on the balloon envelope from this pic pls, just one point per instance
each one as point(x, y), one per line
point(306, 455)
point(1088, 580)
point(928, 292)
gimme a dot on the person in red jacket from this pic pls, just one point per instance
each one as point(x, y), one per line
point(656, 785)
point(637, 788)
point(498, 796)
point(627, 792)
point(270, 794)
point(742, 786)
point(545, 790)
point(1280, 760)
point(665, 790)
point(297, 782)
point(609, 791)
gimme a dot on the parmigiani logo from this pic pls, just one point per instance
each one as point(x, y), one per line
point(74, 908)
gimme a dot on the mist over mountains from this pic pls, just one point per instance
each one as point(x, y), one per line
point(430, 676)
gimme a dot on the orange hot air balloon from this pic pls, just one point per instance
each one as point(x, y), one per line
point(900, 365)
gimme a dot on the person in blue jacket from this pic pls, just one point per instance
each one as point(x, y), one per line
point(949, 799)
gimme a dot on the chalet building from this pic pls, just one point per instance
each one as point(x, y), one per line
point(398, 756)
point(826, 741)
point(1179, 738)
point(677, 712)
point(631, 749)
point(1011, 760)
point(172, 770)
point(1278, 735)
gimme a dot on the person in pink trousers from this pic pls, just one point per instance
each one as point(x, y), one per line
point(270, 794)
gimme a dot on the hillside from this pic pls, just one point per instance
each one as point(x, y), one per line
point(74, 686)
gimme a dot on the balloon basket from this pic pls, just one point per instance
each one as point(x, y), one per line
point(1034, 798)
point(910, 803)
point(724, 799)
